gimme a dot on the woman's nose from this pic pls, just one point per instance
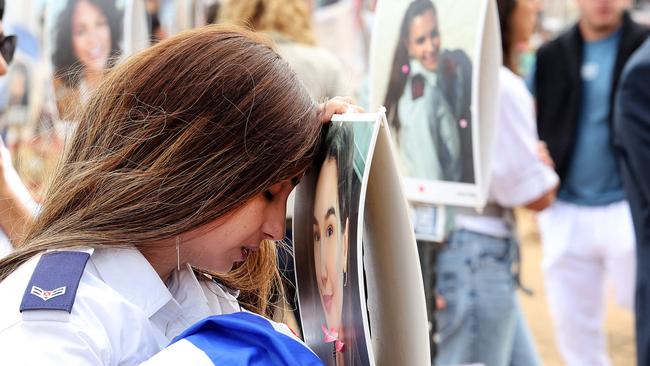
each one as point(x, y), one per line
point(323, 273)
point(274, 227)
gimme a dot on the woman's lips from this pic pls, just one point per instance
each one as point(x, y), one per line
point(327, 302)
point(246, 251)
point(96, 53)
point(244, 254)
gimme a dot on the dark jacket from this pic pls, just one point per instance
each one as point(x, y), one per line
point(632, 126)
point(558, 87)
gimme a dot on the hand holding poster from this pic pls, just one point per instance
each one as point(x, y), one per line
point(350, 220)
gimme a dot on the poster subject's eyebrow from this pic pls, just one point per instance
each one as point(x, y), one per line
point(330, 212)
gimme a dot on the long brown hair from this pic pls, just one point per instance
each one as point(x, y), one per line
point(506, 8)
point(176, 137)
point(291, 18)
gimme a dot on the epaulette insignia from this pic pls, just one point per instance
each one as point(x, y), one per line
point(54, 283)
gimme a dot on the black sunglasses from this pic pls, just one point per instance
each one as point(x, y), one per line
point(7, 47)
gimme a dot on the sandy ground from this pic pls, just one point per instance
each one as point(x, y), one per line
point(619, 322)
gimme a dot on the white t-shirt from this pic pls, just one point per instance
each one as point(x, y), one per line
point(518, 175)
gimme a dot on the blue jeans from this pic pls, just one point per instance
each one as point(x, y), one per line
point(482, 321)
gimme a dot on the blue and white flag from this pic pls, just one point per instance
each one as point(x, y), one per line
point(238, 339)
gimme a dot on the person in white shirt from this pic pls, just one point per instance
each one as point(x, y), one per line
point(166, 205)
point(481, 320)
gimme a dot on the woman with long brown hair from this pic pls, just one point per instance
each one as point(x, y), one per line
point(179, 172)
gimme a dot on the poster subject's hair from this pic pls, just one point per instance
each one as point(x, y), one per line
point(339, 145)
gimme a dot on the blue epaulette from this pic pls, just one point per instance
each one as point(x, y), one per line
point(54, 283)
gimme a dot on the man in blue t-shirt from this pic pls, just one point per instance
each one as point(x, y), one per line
point(587, 234)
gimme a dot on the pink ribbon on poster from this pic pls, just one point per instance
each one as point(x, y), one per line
point(333, 336)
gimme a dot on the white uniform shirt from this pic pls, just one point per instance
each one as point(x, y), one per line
point(122, 315)
point(518, 175)
point(417, 145)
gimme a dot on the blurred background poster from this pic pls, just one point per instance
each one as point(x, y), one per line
point(344, 20)
point(432, 65)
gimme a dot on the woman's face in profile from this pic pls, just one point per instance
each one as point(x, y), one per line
point(423, 42)
point(91, 36)
point(217, 246)
point(330, 244)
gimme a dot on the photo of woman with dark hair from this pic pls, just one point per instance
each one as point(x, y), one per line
point(328, 274)
point(87, 35)
point(428, 100)
point(17, 96)
point(331, 232)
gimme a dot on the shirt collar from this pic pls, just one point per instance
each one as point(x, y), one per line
point(417, 68)
point(129, 273)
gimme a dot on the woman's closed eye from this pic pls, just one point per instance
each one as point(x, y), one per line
point(268, 195)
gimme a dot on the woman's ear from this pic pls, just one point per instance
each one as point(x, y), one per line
point(345, 244)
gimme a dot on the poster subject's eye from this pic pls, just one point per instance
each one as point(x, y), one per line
point(329, 231)
point(316, 237)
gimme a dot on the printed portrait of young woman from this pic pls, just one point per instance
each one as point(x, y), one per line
point(428, 100)
point(328, 274)
point(86, 41)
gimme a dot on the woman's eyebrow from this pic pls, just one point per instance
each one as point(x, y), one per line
point(330, 212)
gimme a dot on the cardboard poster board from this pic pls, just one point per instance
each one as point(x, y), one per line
point(434, 66)
point(359, 284)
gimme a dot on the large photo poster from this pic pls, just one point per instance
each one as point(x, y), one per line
point(328, 239)
point(359, 285)
point(83, 38)
point(426, 63)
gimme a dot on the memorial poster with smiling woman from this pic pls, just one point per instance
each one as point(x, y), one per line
point(359, 300)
